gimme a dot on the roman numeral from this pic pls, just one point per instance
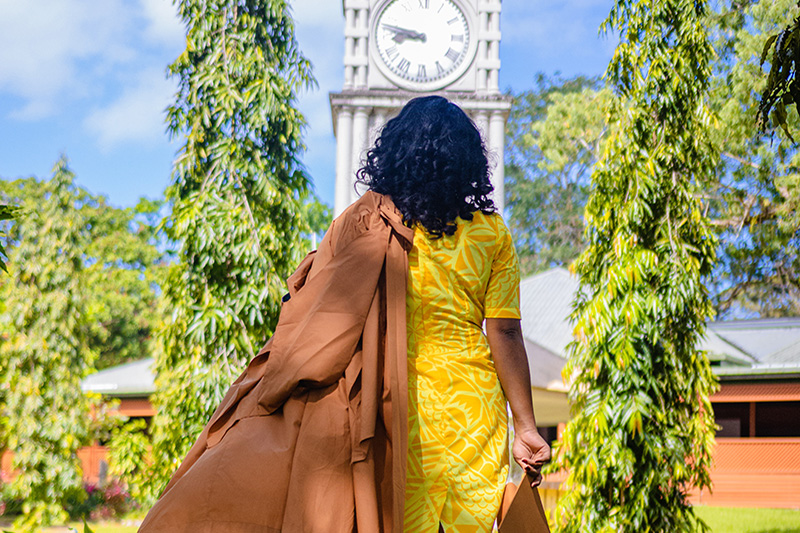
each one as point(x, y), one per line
point(439, 69)
point(424, 4)
point(457, 38)
point(421, 72)
point(403, 65)
point(440, 8)
point(453, 20)
point(392, 52)
point(451, 54)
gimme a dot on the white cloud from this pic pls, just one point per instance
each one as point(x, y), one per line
point(52, 48)
point(54, 52)
point(163, 24)
point(325, 14)
point(137, 115)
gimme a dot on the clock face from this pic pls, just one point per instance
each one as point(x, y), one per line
point(422, 44)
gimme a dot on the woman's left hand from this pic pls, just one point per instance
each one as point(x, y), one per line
point(531, 452)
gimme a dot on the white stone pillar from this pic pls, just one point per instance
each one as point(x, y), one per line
point(376, 123)
point(483, 78)
point(349, 47)
point(360, 136)
point(497, 143)
point(492, 84)
point(344, 156)
point(380, 121)
point(361, 48)
point(482, 121)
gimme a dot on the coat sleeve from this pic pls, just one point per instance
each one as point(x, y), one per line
point(321, 325)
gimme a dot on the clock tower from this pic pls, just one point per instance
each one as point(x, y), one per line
point(396, 50)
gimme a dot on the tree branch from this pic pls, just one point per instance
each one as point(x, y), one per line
point(741, 160)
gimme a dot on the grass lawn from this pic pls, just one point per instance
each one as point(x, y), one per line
point(720, 519)
point(97, 527)
point(748, 520)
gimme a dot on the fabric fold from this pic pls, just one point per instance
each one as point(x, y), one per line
point(311, 436)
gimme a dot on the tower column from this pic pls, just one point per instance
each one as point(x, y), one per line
point(349, 47)
point(360, 136)
point(344, 143)
point(379, 122)
point(482, 121)
point(497, 143)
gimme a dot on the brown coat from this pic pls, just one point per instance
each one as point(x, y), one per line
point(312, 436)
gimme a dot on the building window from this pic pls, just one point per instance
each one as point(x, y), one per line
point(778, 419)
point(733, 419)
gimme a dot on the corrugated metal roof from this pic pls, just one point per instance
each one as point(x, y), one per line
point(767, 340)
point(759, 371)
point(130, 379)
point(545, 304)
point(762, 345)
point(545, 367)
point(719, 349)
point(788, 355)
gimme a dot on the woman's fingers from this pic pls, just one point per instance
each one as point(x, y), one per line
point(533, 461)
point(531, 467)
point(533, 471)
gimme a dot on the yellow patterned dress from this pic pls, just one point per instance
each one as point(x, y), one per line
point(457, 428)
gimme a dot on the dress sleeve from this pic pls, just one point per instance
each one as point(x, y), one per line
point(502, 291)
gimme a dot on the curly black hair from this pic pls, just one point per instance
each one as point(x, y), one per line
point(431, 161)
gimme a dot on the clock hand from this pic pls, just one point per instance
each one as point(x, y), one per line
point(401, 34)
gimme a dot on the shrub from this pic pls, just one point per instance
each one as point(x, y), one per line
point(101, 503)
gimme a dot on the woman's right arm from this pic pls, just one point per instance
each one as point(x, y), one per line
point(530, 450)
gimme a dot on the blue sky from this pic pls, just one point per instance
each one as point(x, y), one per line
point(87, 78)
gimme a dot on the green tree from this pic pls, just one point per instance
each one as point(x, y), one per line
point(556, 133)
point(783, 87)
point(755, 198)
point(237, 201)
point(81, 294)
point(6, 213)
point(643, 427)
point(752, 197)
point(122, 269)
point(123, 272)
point(46, 415)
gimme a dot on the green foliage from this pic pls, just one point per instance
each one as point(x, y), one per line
point(237, 202)
point(755, 198)
point(556, 133)
point(783, 87)
point(7, 212)
point(46, 354)
point(101, 502)
point(80, 294)
point(642, 430)
point(318, 216)
point(123, 274)
point(752, 197)
point(129, 451)
point(86, 528)
point(121, 269)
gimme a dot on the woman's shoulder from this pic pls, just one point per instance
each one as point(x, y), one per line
point(488, 221)
point(359, 218)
